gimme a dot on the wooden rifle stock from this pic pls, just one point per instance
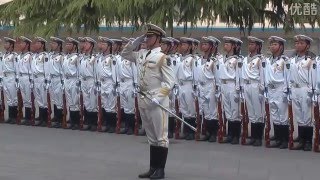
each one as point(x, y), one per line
point(99, 112)
point(221, 123)
point(317, 128)
point(268, 125)
point(291, 125)
point(81, 110)
point(49, 108)
point(20, 106)
point(118, 115)
point(178, 123)
point(2, 106)
point(33, 108)
point(64, 116)
point(244, 123)
point(198, 121)
point(136, 115)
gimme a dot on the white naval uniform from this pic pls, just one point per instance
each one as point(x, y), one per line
point(207, 82)
point(8, 68)
point(251, 76)
point(127, 73)
point(187, 76)
point(70, 71)
point(107, 70)
point(56, 76)
point(87, 71)
point(175, 62)
point(38, 73)
point(25, 75)
point(301, 87)
point(156, 79)
point(227, 79)
point(275, 79)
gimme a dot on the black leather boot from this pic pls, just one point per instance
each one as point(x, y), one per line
point(259, 133)
point(161, 163)
point(253, 138)
point(302, 141)
point(284, 136)
point(153, 164)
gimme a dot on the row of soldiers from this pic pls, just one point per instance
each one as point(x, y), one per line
point(218, 94)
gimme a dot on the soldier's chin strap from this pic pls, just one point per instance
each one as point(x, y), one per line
point(167, 110)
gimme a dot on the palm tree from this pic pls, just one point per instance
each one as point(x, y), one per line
point(49, 17)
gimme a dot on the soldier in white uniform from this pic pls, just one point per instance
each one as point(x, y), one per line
point(276, 84)
point(108, 77)
point(24, 75)
point(127, 71)
point(187, 78)
point(39, 74)
point(251, 72)
point(166, 47)
point(230, 92)
point(156, 80)
point(8, 68)
point(71, 81)
point(207, 84)
point(55, 79)
point(88, 76)
point(302, 83)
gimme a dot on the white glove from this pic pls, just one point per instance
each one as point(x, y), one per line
point(138, 40)
point(236, 99)
point(284, 97)
point(309, 100)
point(261, 98)
point(154, 100)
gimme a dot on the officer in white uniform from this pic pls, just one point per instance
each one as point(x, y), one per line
point(8, 82)
point(230, 91)
point(275, 83)
point(88, 76)
point(251, 72)
point(24, 75)
point(207, 84)
point(156, 79)
point(55, 79)
point(107, 76)
point(187, 78)
point(39, 74)
point(71, 81)
point(302, 83)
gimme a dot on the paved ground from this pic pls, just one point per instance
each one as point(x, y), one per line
point(35, 153)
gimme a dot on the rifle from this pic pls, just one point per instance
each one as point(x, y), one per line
point(220, 119)
point(33, 107)
point(49, 110)
point(64, 100)
point(222, 127)
point(118, 105)
point(98, 86)
point(316, 115)
point(2, 102)
point(178, 123)
point(290, 114)
point(19, 95)
point(267, 109)
point(136, 107)
point(243, 111)
point(196, 104)
point(80, 99)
